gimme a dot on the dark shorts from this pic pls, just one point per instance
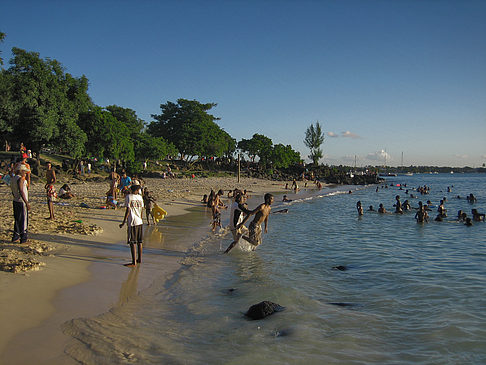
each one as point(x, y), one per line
point(135, 234)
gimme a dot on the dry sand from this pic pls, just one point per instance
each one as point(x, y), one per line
point(72, 266)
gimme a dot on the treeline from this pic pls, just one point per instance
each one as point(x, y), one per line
point(45, 107)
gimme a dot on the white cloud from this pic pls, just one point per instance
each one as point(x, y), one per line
point(379, 156)
point(462, 157)
point(332, 134)
point(348, 134)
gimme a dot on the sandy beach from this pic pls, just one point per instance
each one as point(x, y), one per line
point(73, 266)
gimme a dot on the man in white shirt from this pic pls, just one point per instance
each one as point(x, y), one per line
point(133, 218)
point(21, 205)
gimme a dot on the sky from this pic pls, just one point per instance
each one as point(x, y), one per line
point(385, 79)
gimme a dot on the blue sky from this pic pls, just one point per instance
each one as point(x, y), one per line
point(382, 77)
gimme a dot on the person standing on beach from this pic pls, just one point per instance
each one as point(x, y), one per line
point(50, 190)
point(21, 204)
point(24, 162)
point(125, 182)
point(255, 229)
point(133, 218)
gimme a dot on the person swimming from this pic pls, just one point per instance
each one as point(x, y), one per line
point(381, 208)
point(471, 198)
point(398, 205)
point(359, 208)
point(422, 216)
point(285, 199)
point(477, 217)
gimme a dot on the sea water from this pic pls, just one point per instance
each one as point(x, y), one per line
point(411, 293)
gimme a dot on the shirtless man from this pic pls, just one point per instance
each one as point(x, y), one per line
point(255, 229)
point(398, 205)
point(216, 206)
point(50, 191)
point(359, 207)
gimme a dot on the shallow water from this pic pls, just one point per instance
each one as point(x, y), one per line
point(412, 293)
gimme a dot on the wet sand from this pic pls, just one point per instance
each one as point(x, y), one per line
point(79, 268)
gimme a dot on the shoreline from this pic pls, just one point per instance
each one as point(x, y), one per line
point(78, 268)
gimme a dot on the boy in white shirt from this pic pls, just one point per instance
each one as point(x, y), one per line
point(133, 218)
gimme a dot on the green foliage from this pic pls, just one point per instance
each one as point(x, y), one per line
point(192, 130)
point(284, 156)
point(314, 137)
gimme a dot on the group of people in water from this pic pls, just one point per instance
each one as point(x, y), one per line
point(422, 211)
point(239, 215)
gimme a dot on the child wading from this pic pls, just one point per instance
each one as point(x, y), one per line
point(133, 218)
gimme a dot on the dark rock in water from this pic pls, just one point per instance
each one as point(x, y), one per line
point(341, 304)
point(340, 268)
point(263, 309)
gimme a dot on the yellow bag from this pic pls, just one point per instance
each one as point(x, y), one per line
point(158, 213)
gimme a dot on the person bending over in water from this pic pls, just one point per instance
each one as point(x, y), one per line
point(255, 229)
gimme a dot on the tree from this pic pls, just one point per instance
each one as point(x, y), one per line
point(259, 145)
point(190, 127)
point(128, 117)
point(6, 105)
point(107, 136)
point(314, 137)
point(284, 156)
point(148, 147)
point(2, 37)
point(40, 111)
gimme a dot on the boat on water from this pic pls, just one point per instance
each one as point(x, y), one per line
point(387, 174)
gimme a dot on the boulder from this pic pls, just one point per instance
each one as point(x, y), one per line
point(263, 309)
